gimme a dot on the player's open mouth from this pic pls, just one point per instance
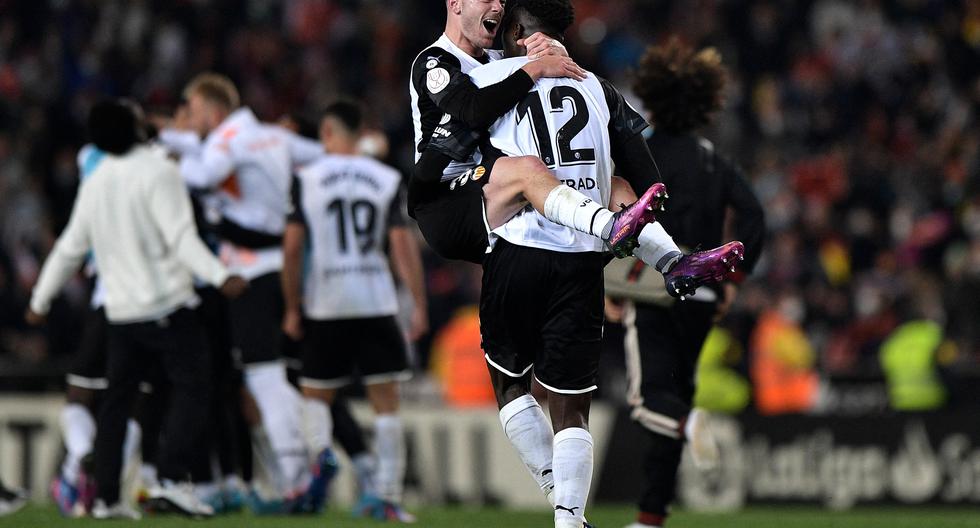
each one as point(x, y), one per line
point(490, 24)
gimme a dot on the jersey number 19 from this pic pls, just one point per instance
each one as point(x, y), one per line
point(362, 215)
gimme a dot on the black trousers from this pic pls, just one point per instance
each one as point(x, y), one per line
point(222, 431)
point(669, 343)
point(173, 348)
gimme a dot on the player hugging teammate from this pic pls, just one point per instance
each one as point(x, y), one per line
point(536, 124)
point(526, 164)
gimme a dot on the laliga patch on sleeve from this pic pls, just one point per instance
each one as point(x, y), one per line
point(432, 63)
point(436, 80)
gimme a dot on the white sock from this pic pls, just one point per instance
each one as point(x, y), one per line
point(570, 208)
point(657, 248)
point(281, 407)
point(389, 440)
point(319, 424)
point(132, 444)
point(365, 468)
point(573, 476)
point(265, 458)
point(78, 432)
point(529, 431)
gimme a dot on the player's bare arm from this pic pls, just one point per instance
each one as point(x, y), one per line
point(292, 279)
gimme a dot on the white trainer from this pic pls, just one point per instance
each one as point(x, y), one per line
point(177, 498)
point(11, 500)
point(119, 510)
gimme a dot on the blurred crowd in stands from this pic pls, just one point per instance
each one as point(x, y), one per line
point(856, 121)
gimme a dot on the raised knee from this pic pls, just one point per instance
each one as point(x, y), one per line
point(619, 183)
point(533, 167)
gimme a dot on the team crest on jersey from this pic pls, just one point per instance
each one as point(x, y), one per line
point(437, 80)
point(473, 174)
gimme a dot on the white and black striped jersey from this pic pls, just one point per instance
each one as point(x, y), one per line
point(347, 204)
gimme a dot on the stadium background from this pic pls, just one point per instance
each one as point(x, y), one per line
point(855, 121)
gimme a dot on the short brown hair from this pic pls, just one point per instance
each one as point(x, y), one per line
point(215, 88)
point(679, 86)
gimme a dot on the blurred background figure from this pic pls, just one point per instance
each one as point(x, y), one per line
point(783, 360)
point(341, 301)
point(247, 165)
point(11, 500)
point(134, 216)
point(682, 89)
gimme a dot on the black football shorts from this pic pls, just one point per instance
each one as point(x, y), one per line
point(543, 310)
point(336, 351)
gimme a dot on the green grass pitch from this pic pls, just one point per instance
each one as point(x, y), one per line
point(602, 516)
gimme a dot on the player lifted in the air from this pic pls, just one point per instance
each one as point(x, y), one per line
point(541, 304)
point(455, 218)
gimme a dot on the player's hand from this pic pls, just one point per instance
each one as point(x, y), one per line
point(728, 292)
point(182, 118)
point(292, 324)
point(419, 324)
point(33, 318)
point(613, 309)
point(538, 45)
point(160, 121)
point(234, 287)
point(554, 66)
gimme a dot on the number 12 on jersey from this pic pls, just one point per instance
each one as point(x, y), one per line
point(532, 108)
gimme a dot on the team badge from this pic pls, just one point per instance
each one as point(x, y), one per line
point(461, 180)
point(478, 172)
point(437, 80)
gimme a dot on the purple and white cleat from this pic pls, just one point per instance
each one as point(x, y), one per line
point(703, 267)
point(628, 222)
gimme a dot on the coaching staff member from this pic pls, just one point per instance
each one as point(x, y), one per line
point(681, 88)
point(133, 213)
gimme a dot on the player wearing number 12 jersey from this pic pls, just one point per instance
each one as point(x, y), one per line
point(346, 209)
point(541, 303)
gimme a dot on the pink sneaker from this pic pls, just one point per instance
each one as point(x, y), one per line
point(703, 267)
point(628, 223)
